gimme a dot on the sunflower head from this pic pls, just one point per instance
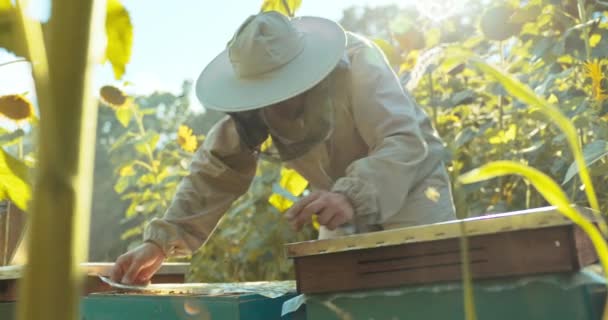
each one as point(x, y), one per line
point(593, 71)
point(16, 107)
point(186, 139)
point(113, 97)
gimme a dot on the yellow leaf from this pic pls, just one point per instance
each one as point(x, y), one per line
point(292, 181)
point(266, 145)
point(553, 99)
point(5, 4)
point(127, 171)
point(511, 132)
point(286, 7)
point(594, 40)
point(505, 136)
point(566, 59)
point(389, 51)
point(14, 183)
point(432, 194)
point(119, 33)
point(550, 190)
point(279, 202)
point(315, 222)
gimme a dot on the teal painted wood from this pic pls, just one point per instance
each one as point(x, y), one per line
point(134, 307)
point(7, 311)
point(117, 307)
point(497, 301)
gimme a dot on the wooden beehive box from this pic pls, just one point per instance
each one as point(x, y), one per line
point(512, 244)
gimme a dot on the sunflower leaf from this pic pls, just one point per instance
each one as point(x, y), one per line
point(286, 7)
point(124, 116)
point(14, 184)
point(549, 189)
point(592, 152)
point(11, 138)
point(5, 4)
point(523, 93)
point(147, 143)
point(119, 32)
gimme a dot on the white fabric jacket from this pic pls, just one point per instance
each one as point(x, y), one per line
point(381, 152)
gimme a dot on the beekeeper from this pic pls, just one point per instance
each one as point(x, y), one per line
point(336, 113)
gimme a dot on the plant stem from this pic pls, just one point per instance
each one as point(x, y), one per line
point(144, 165)
point(432, 97)
point(501, 112)
point(287, 8)
point(20, 149)
point(142, 131)
point(467, 280)
point(582, 13)
point(61, 206)
point(500, 100)
point(528, 196)
point(6, 234)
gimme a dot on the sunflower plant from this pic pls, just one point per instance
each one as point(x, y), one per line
point(149, 162)
point(17, 112)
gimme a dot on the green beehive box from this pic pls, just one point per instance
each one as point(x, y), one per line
point(7, 311)
point(579, 296)
point(168, 307)
point(135, 307)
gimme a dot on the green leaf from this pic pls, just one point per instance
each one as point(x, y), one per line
point(148, 111)
point(8, 139)
point(124, 116)
point(462, 97)
point(119, 32)
point(147, 143)
point(550, 190)
point(526, 95)
point(132, 232)
point(132, 210)
point(594, 40)
point(14, 184)
point(122, 141)
point(592, 152)
point(286, 7)
point(146, 180)
point(465, 136)
point(122, 184)
point(8, 29)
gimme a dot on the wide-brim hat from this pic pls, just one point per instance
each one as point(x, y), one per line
point(270, 59)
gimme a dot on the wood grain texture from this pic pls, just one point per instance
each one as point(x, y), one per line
point(546, 250)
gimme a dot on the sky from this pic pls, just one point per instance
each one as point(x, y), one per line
point(171, 44)
point(173, 40)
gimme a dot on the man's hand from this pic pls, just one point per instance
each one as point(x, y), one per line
point(138, 265)
point(332, 210)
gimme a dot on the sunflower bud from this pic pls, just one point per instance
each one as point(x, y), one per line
point(113, 97)
point(16, 107)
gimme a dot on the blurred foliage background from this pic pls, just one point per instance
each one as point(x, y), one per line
point(556, 47)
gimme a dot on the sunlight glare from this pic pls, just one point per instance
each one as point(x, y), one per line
point(438, 10)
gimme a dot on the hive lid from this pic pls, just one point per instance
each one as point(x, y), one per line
point(488, 224)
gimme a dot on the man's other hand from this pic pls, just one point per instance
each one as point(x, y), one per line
point(332, 210)
point(138, 265)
